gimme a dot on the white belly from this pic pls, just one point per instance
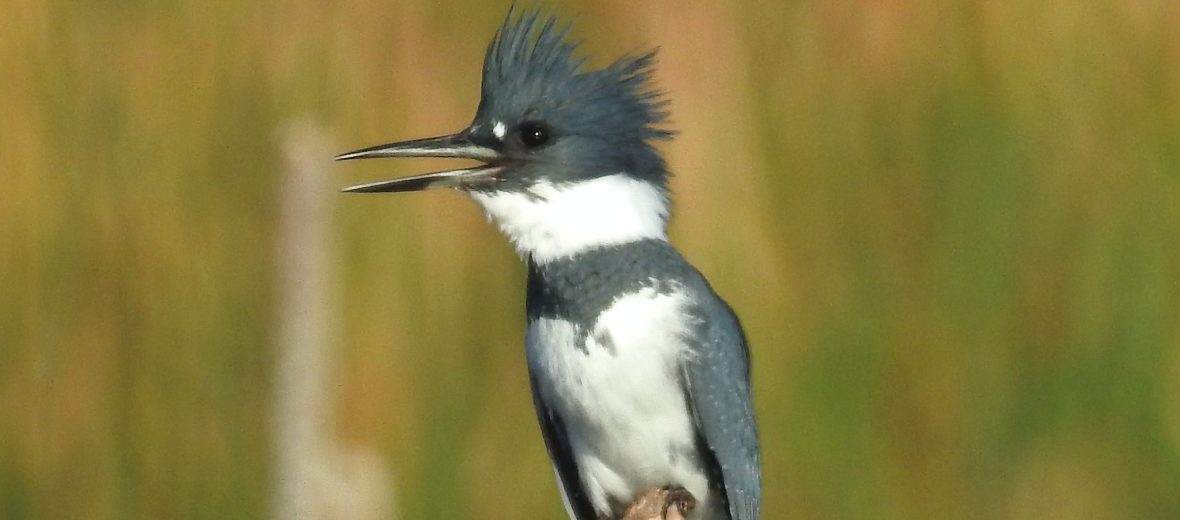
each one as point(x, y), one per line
point(617, 388)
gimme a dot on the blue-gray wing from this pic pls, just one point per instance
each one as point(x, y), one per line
point(717, 381)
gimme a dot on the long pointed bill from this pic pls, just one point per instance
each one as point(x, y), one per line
point(461, 178)
point(455, 145)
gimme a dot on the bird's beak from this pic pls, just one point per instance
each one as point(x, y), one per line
point(454, 145)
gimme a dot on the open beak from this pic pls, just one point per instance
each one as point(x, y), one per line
point(454, 145)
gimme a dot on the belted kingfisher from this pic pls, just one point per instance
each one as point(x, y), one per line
point(640, 372)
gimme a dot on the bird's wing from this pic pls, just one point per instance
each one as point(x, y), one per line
point(573, 494)
point(716, 379)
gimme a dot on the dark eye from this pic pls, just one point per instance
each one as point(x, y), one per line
point(534, 134)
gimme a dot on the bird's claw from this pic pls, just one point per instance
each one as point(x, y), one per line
point(681, 499)
point(662, 503)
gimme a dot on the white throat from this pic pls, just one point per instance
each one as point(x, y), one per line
point(550, 221)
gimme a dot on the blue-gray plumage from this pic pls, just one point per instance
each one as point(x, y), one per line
point(639, 371)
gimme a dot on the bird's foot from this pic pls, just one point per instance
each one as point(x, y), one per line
point(678, 502)
point(662, 503)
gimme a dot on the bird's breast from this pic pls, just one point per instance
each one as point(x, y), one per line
point(615, 381)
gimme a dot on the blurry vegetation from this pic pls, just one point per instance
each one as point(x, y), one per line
point(952, 230)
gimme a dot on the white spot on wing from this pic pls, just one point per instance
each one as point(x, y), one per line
point(499, 130)
point(551, 222)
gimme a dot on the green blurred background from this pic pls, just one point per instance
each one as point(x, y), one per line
point(951, 230)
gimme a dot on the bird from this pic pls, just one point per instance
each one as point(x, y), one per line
point(639, 371)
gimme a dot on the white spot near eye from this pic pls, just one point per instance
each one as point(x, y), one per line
point(499, 130)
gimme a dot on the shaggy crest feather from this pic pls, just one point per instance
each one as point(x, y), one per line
point(533, 58)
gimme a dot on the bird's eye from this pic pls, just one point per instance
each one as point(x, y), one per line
point(534, 134)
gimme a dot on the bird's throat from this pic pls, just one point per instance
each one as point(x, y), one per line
point(548, 221)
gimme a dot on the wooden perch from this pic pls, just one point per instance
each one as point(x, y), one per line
point(661, 504)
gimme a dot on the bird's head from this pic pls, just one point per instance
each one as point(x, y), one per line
point(554, 140)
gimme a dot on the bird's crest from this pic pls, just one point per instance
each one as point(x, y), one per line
point(531, 60)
